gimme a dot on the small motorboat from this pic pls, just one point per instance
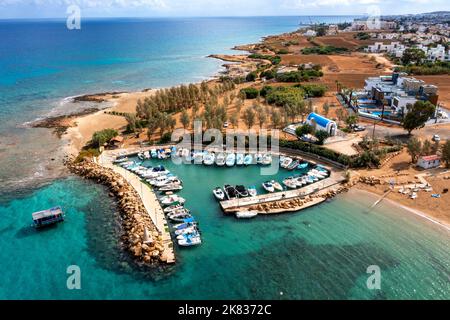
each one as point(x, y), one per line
point(198, 157)
point(121, 160)
point(147, 155)
point(259, 158)
point(180, 217)
point(230, 192)
point(267, 159)
point(286, 162)
point(299, 181)
point(230, 160)
point(190, 233)
point(171, 187)
point(185, 225)
point(302, 165)
point(293, 165)
point(281, 160)
point(188, 229)
point(248, 160)
point(178, 213)
point(219, 194)
point(171, 200)
point(276, 185)
point(413, 195)
point(190, 241)
point(246, 214)
point(252, 191)
point(239, 159)
point(313, 177)
point(209, 159)
point(290, 183)
point(242, 191)
point(48, 217)
point(268, 186)
point(153, 153)
point(220, 159)
point(173, 208)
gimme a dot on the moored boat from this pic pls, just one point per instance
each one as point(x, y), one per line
point(290, 183)
point(220, 159)
point(239, 159)
point(248, 160)
point(173, 208)
point(190, 241)
point(230, 160)
point(48, 217)
point(230, 192)
point(276, 185)
point(246, 214)
point(286, 162)
point(267, 159)
point(219, 194)
point(293, 165)
point(252, 191)
point(242, 191)
point(171, 200)
point(268, 186)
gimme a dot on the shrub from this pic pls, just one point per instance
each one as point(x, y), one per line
point(250, 93)
point(313, 90)
point(269, 74)
point(252, 76)
point(324, 50)
point(99, 138)
point(283, 51)
point(166, 138)
point(298, 76)
point(273, 59)
point(304, 129)
point(282, 96)
point(265, 91)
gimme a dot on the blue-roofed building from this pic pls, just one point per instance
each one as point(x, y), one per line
point(321, 123)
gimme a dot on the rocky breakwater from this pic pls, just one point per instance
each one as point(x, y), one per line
point(141, 238)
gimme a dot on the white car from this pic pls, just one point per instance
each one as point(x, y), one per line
point(436, 138)
point(225, 124)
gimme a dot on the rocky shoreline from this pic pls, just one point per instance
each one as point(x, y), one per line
point(141, 238)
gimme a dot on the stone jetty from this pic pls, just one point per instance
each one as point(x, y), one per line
point(141, 237)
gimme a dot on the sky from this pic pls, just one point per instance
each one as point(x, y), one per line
point(175, 8)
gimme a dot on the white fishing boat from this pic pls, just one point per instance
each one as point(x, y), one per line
point(147, 155)
point(187, 230)
point(121, 160)
point(153, 153)
point(209, 159)
point(290, 183)
point(246, 214)
point(171, 187)
point(313, 177)
point(299, 181)
point(248, 160)
point(230, 160)
point(319, 174)
point(252, 191)
point(286, 162)
point(192, 234)
point(268, 186)
point(276, 185)
point(219, 194)
point(190, 241)
point(413, 195)
point(198, 157)
point(259, 158)
point(239, 159)
point(267, 159)
point(173, 208)
point(171, 200)
point(220, 159)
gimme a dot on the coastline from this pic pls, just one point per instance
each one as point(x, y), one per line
point(416, 212)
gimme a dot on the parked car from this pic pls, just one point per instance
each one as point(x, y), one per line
point(357, 127)
point(225, 124)
point(436, 138)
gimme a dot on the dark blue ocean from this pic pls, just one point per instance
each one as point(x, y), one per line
point(321, 253)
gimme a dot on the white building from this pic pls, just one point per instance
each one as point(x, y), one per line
point(310, 33)
point(395, 48)
point(321, 123)
point(429, 162)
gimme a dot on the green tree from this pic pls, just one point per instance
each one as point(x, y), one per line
point(426, 148)
point(351, 120)
point(321, 136)
point(99, 138)
point(276, 118)
point(326, 109)
point(418, 115)
point(446, 153)
point(234, 120)
point(414, 148)
point(249, 117)
point(413, 56)
point(262, 116)
point(304, 129)
point(132, 122)
point(185, 120)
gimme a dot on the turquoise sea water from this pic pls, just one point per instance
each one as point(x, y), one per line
point(322, 252)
